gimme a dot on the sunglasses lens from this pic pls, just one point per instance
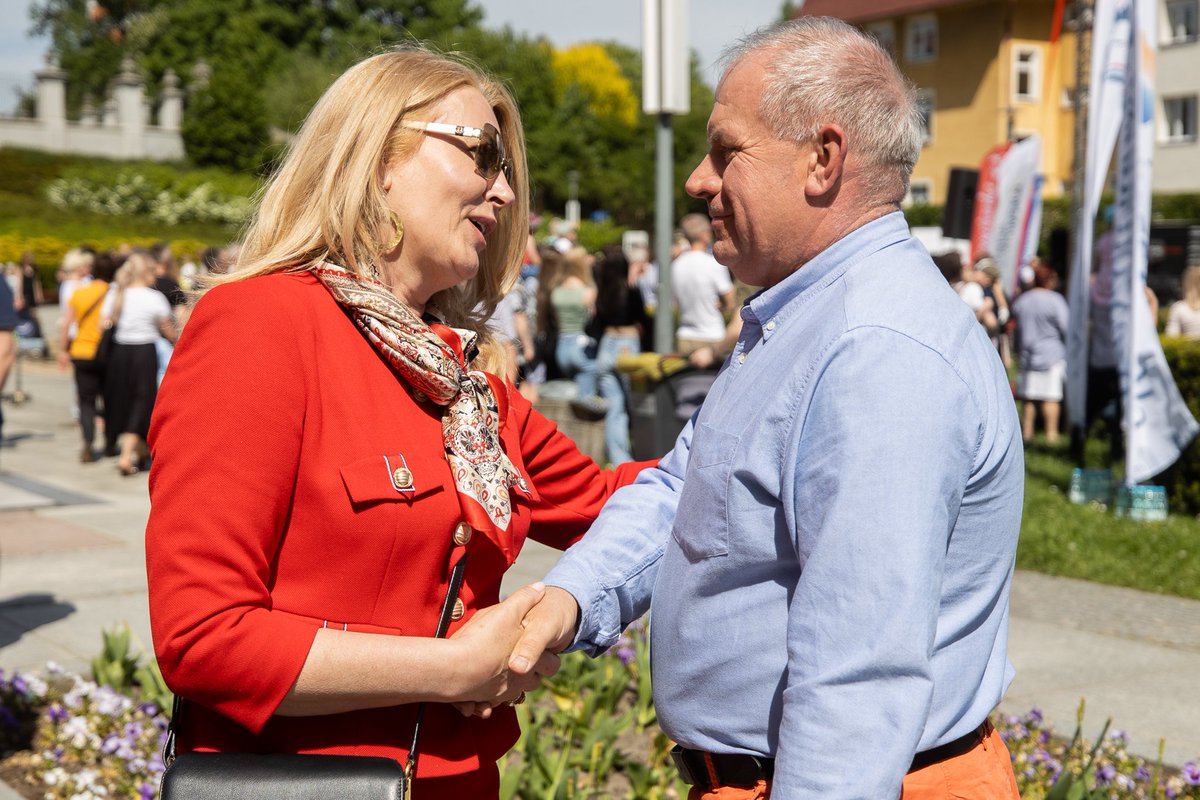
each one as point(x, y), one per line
point(489, 156)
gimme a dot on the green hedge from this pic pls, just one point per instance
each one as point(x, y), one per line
point(1182, 480)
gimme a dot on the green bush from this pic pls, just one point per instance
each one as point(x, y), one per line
point(226, 125)
point(1182, 480)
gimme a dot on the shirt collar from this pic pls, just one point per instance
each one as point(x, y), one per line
point(827, 265)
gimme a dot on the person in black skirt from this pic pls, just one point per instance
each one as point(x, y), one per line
point(141, 315)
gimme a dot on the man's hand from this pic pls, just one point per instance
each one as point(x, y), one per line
point(549, 626)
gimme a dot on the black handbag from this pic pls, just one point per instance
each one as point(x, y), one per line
point(104, 348)
point(295, 776)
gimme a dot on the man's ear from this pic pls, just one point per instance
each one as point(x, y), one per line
point(828, 159)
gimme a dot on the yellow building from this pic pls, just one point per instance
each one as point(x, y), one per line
point(987, 73)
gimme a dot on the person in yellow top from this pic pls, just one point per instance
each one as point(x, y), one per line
point(82, 315)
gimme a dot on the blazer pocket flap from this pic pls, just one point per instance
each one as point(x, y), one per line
point(383, 478)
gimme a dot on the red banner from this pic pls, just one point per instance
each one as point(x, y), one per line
point(986, 200)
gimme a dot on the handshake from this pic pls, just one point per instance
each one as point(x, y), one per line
point(505, 650)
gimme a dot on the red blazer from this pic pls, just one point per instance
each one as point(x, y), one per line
point(275, 438)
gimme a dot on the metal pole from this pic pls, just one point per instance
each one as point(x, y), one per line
point(1080, 105)
point(664, 217)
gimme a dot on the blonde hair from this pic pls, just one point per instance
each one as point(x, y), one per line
point(577, 263)
point(1191, 286)
point(326, 202)
point(138, 269)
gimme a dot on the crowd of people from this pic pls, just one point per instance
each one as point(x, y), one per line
point(119, 315)
point(1034, 324)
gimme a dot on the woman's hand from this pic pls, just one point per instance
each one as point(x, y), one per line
point(482, 650)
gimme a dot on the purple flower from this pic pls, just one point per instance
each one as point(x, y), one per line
point(1105, 774)
point(146, 791)
point(18, 684)
point(1191, 773)
point(1141, 773)
point(1034, 716)
point(110, 743)
point(149, 709)
point(57, 713)
point(626, 653)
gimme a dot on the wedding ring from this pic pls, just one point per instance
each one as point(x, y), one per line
point(516, 701)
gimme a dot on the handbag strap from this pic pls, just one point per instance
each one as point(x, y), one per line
point(410, 766)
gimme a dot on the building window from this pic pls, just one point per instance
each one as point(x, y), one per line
point(1027, 74)
point(1183, 21)
point(1179, 118)
point(885, 34)
point(920, 192)
point(926, 103)
point(922, 41)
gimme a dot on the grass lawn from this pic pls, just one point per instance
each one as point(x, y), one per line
point(1090, 543)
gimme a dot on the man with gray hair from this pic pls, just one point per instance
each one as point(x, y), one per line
point(830, 545)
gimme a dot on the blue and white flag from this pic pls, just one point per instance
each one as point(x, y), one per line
point(1112, 22)
point(1158, 424)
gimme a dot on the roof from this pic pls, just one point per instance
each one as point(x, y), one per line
point(867, 10)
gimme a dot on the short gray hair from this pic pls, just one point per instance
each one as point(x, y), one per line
point(825, 71)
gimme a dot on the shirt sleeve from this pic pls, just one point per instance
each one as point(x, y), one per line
point(226, 436)
point(881, 462)
point(721, 277)
point(571, 487)
point(611, 571)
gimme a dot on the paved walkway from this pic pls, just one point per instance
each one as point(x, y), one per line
point(71, 563)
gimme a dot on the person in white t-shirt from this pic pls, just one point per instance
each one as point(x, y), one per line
point(702, 288)
point(141, 314)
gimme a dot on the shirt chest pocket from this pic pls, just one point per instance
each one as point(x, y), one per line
point(702, 517)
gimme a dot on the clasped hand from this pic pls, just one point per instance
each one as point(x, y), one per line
point(509, 647)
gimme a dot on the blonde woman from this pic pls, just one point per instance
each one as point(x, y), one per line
point(141, 314)
point(331, 438)
point(574, 301)
point(1184, 317)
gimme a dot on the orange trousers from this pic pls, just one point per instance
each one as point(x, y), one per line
point(983, 773)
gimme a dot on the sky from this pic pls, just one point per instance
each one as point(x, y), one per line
point(712, 24)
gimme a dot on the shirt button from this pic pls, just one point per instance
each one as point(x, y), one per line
point(741, 358)
point(771, 325)
point(462, 534)
point(402, 478)
point(459, 608)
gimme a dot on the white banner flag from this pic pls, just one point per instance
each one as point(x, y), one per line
point(1111, 25)
point(1017, 196)
point(1158, 424)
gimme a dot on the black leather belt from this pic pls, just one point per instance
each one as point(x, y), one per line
point(710, 770)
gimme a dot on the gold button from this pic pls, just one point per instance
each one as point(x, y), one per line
point(459, 608)
point(403, 478)
point(462, 534)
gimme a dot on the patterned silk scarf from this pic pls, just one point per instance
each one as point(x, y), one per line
point(482, 471)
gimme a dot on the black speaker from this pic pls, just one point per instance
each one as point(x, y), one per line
point(960, 203)
point(1060, 251)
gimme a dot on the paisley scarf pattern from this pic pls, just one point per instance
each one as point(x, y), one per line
point(482, 471)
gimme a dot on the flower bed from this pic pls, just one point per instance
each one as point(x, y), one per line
point(589, 732)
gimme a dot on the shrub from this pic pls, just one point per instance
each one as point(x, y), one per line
point(226, 124)
point(1182, 480)
point(134, 194)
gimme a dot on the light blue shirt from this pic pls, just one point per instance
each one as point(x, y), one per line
point(830, 545)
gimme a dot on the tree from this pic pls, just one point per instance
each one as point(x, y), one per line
point(248, 40)
point(226, 125)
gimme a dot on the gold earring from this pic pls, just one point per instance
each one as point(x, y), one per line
point(399, 226)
